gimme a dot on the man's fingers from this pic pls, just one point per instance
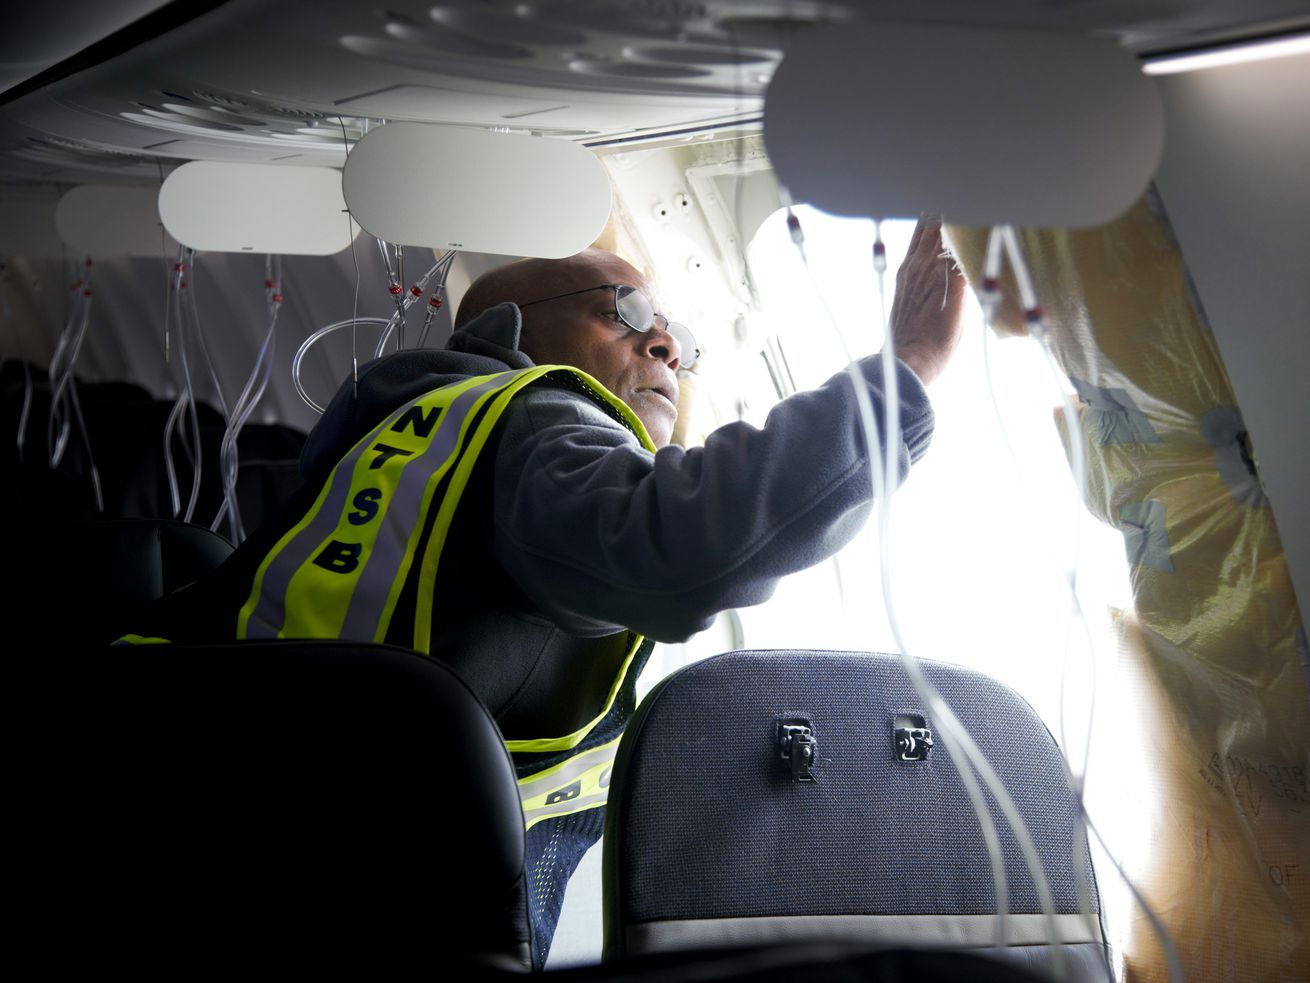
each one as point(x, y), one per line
point(914, 239)
point(930, 291)
point(927, 244)
point(918, 232)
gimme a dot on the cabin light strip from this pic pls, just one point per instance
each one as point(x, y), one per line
point(1233, 54)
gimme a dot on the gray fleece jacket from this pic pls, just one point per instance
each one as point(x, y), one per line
point(571, 532)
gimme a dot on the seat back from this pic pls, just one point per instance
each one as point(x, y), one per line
point(760, 797)
point(83, 581)
point(297, 802)
point(270, 470)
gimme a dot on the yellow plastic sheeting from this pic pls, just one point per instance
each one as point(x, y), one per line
point(1222, 739)
point(1215, 769)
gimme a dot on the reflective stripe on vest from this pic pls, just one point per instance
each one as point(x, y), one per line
point(581, 782)
point(320, 580)
point(578, 736)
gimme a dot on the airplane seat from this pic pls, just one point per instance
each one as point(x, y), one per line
point(15, 391)
point(125, 430)
point(28, 486)
point(282, 803)
point(82, 581)
point(761, 798)
point(128, 443)
point(264, 486)
point(271, 442)
point(100, 402)
point(269, 470)
point(31, 491)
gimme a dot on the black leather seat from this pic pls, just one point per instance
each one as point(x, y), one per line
point(82, 581)
point(268, 803)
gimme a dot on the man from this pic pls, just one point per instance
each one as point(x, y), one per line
point(536, 529)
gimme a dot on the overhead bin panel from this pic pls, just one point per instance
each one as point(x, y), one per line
point(27, 228)
point(455, 188)
point(107, 220)
point(985, 126)
point(213, 206)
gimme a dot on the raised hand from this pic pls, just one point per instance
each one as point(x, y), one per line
point(927, 310)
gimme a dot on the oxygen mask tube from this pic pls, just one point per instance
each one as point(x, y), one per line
point(96, 488)
point(990, 297)
point(59, 374)
point(1003, 244)
point(395, 284)
point(174, 279)
point(1003, 239)
point(251, 394)
point(185, 403)
point(353, 323)
point(26, 409)
point(193, 312)
point(54, 423)
point(970, 763)
point(190, 408)
point(64, 401)
point(400, 297)
point(438, 272)
point(354, 313)
point(407, 299)
point(955, 732)
point(1000, 244)
point(435, 303)
point(308, 343)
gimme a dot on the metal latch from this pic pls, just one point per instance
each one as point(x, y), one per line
point(911, 737)
point(798, 748)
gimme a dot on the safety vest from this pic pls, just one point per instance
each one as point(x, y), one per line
point(383, 513)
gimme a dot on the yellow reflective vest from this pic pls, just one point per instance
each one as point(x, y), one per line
point(383, 514)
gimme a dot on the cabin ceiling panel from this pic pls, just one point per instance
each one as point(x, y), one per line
point(267, 80)
point(39, 35)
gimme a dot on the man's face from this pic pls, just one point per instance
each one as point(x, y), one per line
point(584, 331)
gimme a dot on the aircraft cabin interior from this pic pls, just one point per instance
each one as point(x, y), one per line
point(1043, 715)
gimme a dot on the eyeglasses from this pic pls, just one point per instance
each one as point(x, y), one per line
point(636, 312)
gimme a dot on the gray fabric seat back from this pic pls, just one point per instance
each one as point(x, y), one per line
point(717, 835)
